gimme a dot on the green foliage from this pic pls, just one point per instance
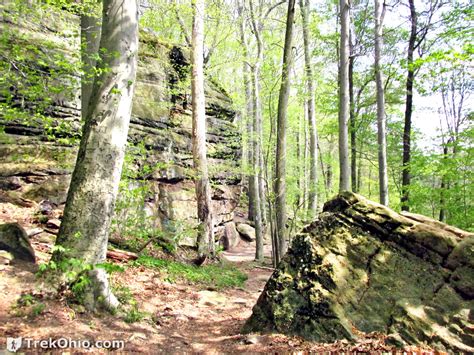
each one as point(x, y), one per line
point(70, 274)
point(131, 219)
point(218, 276)
point(128, 304)
point(34, 74)
point(134, 314)
point(28, 305)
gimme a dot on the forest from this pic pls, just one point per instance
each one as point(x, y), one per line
point(221, 176)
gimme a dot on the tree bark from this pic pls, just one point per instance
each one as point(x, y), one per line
point(248, 159)
point(310, 92)
point(205, 238)
point(257, 215)
point(443, 187)
point(258, 186)
point(90, 41)
point(352, 125)
point(344, 170)
point(95, 180)
point(406, 176)
point(381, 121)
point(280, 171)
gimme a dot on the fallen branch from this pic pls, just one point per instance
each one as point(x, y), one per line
point(121, 255)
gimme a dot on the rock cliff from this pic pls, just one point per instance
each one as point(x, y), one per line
point(361, 267)
point(37, 153)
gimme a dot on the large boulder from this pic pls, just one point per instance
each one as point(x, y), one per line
point(361, 267)
point(246, 232)
point(13, 239)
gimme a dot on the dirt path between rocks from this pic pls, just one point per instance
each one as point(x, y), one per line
point(182, 318)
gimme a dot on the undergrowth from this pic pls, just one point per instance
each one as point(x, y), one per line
point(216, 275)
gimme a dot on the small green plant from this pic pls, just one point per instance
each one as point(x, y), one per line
point(134, 314)
point(28, 305)
point(123, 294)
point(38, 309)
point(26, 300)
point(218, 275)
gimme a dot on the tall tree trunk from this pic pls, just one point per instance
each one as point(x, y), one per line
point(381, 121)
point(258, 189)
point(352, 125)
point(90, 41)
point(344, 170)
point(299, 157)
point(248, 159)
point(203, 189)
point(257, 216)
point(406, 176)
point(95, 180)
point(310, 92)
point(261, 180)
point(280, 171)
point(443, 188)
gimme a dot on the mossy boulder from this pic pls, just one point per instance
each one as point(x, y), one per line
point(361, 267)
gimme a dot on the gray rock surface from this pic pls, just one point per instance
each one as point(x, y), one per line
point(13, 239)
point(363, 267)
point(246, 232)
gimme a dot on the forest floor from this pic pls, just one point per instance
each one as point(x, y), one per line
point(181, 317)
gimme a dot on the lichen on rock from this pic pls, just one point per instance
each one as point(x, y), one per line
point(361, 267)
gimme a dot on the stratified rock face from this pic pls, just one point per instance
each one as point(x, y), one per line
point(362, 267)
point(36, 165)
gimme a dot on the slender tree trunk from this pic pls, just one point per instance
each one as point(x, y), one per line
point(249, 114)
point(90, 41)
point(203, 189)
point(344, 170)
point(359, 169)
point(257, 216)
point(299, 157)
point(443, 188)
point(406, 176)
point(95, 180)
point(261, 180)
point(310, 92)
point(323, 172)
point(381, 121)
point(306, 165)
point(258, 189)
point(352, 124)
point(280, 178)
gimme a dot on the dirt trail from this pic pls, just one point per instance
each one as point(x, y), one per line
point(184, 318)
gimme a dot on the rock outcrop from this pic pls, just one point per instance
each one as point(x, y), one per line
point(361, 267)
point(14, 240)
point(37, 156)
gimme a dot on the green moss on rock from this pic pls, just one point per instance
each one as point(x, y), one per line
point(361, 266)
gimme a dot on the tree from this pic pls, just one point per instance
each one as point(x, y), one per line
point(280, 171)
point(408, 108)
point(416, 40)
point(257, 182)
point(344, 170)
point(92, 193)
point(90, 41)
point(310, 106)
point(205, 239)
point(247, 81)
point(381, 120)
